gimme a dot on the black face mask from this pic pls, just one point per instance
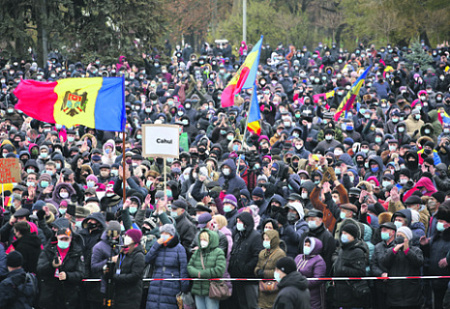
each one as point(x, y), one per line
point(264, 150)
point(360, 163)
point(160, 161)
point(411, 164)
point(399, 240)
point(353, 199)
point(258, 203)
point(92, 226)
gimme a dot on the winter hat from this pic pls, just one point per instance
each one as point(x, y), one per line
point(349, 206)
point(179, 204)
point(405, 172)
point(258, 191)
point(167, 228)
point(14, 259)
point(203, 220)
point(413, 200)
point(406, 231)
point(262, 178)
point(352, 229)
point(92, 177)
point(135, 235)
point(439, 196)
point(286, 265)
point(151, 222)
point(38, 205)
point(113, 225)
point(45, 177)
point(231, 199)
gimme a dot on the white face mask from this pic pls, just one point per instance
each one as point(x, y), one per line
point(64, 194)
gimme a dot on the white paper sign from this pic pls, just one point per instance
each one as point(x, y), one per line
point(160, 140)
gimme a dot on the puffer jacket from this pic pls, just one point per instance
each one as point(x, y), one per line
point(53, 292)
point(442, 180)
point(247, 245)
point(169, 261)
point(15, 292)
point(313, 266)
point(435, 250)
point(231, 181)
point(209, 262)
point(403, 293)
point(90, 239)
point(349, 261)
point(291, 234)
point(128, 275)
point(267, 261)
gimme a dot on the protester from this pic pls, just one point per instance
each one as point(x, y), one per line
point(310, 165)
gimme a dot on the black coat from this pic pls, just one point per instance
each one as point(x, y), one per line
point(328, 242)
point(128, 284)
point(376, 268)
point(293, 292)
point(30, 248)
point(15, 292)
point(403, 293)
point(53, 292)
point(246, 247)
point(187, 232)
point(350, 262)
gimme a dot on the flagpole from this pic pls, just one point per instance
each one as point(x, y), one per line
point(124, 167)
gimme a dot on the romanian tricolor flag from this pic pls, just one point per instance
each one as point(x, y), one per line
point(244, 78)
point(254, 114)
point(96, 102)
point(349, 99)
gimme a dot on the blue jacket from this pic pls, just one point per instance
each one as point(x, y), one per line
point(169, 261)
point(15, 292)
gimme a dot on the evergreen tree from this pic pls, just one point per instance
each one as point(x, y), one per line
point(418, 55)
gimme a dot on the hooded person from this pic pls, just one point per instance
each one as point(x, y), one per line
point(247, 245)
point(109, 152)
point(441, 179)
point(292, 286)
point(376, 168)
point(229, 179)
point(311, 264)
point(295, 227)
point(207, 262)
point(266, 265)
point(92, 229)
point(424, 185)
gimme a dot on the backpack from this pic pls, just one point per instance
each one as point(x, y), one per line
point(30, 283)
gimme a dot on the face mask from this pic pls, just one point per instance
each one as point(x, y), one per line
point(133, 210)
point(70, 139)
point(440, 227)
point(398, 224)
point(344, 239)
point(427, 131)
point(307, 250)
point(328, 137)
point(44, 184)
point(342, 215)
point(64, 194)
point(174, 214)
point(337, 170)
point(351, 178)
point(226, 171)
point(203, 243)
point(230, 137)
point(304, 195)
point(417, 117)
point(63, 244)
point(240, 226)
point(90, 184)
point(401, 129)
point(392, 148)
point(312, 225)
point(44, 155)
point(377, 140)
point(291, 217)
point(78, 224)
point(227, 208)
point(365, 150)
point(276, 276)
point(338, 152)
point(115, 172)
point(386, 183)
point(62, 211)
point(385, 235)
point(30, 184)
point(165, 237)
point(374, 169)
point(266, 244)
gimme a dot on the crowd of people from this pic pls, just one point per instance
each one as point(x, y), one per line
point(313, 195)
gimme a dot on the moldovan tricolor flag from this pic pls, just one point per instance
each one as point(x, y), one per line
point(254, 114)
point(244, 77)
point(97, 102)
point(347, 101)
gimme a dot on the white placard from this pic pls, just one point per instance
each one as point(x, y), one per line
point(160, 140)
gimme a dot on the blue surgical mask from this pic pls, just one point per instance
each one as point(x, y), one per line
point(374, 169)
point(90, 184)
point(49, 173)
point(440, 227)
point(385, 235)
point(342, 215)
point(344, 239)
point(133, 210)
point(62, 211)
point(148, 183)
point(174, 214)
point(398, 224)
point(235, 147)
point(307, 250)
point(63, 244)
point(44, 184)
point(240, 226)
point(266, 244)
point(227, 208)
point(276, 276)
